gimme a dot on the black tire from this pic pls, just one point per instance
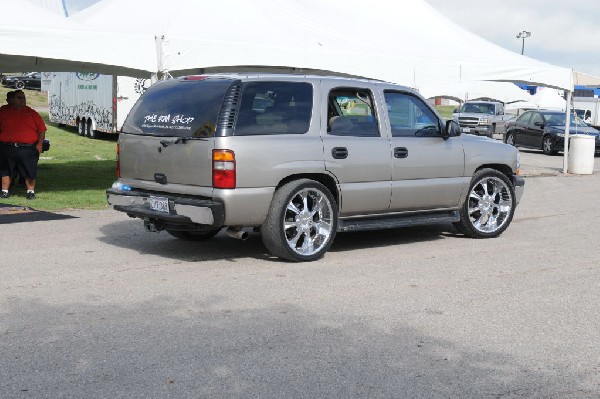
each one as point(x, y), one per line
point(302, 221)
point(89, 131)
point(81, 127)
point(19, 85)
point(510, 139)
point(548, 146)
point(195, 235)
point(493, 131)
point(489, 206)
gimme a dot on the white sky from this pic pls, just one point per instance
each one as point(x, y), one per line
point(563, 32)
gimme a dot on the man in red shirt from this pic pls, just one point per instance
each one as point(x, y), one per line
point(22, 133)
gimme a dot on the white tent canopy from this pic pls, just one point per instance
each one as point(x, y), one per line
point(138, 37)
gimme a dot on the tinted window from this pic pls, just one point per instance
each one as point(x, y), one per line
point(178, 107)
point(351, 113)
point(536, 118)
point(274, 108)
point(558, 119)
point(524, 119)
point(410, 116)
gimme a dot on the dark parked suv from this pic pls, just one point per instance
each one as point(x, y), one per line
point(301, 158)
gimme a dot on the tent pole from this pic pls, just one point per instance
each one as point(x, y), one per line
point(567, 125)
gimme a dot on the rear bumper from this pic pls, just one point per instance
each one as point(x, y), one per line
point(182, 210)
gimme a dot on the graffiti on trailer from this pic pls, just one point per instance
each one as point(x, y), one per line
point(141, 85)
point(61, 113)
point(87, 76)
point(64, 114)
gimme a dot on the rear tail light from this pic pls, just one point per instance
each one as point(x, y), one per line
point(118, 162)
point(223, 169)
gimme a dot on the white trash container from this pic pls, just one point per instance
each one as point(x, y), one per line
point(581, 154)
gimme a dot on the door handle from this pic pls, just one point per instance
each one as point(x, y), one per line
point(339, 152)
point(400, 152)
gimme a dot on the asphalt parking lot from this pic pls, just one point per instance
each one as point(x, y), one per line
point(95, 307)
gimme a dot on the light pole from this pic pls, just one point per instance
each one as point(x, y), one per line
point(522, 35)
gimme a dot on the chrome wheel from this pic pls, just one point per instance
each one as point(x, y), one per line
point(307, 222)
point(548, 146)
point(510, 139)
point(490, 204)
point(489, 207)
point(301, 222)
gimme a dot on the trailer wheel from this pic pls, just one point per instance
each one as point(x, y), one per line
point(89, 130)
point(81, 127)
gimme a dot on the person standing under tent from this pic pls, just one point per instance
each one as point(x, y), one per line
point(22, 133)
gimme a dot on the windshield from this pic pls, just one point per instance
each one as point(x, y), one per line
point(478, 108)
point(558, 119)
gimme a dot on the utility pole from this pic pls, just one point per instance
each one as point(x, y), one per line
point(523, 35)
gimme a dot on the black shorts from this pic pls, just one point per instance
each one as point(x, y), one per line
point(21, 160)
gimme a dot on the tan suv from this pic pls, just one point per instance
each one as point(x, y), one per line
point(302, 158)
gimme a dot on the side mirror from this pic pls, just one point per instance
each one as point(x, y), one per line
point(455, 111)
point(452, 129)
point(539, 124)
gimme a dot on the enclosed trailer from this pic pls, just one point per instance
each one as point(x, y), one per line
point(91, 102)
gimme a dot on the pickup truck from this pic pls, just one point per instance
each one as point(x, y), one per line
point(482, 118)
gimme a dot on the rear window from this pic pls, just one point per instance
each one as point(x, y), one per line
point(274, 108)
point(178, 107)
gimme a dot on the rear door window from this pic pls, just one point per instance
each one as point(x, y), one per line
point(178, 107)
point(274, 108)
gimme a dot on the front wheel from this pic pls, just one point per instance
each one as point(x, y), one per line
point(489, 207)
point(302, 221)
point(89, 130)
point(81, 127)
point(19, 85)
point(548, 145)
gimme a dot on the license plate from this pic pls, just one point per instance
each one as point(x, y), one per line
point(160, 204)
point(466, 129)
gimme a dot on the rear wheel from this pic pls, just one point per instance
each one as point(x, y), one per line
point(548, 145)
point(302, 221)
point(19, 85)
point(195, 235)
point(490, 206)
point(89, 130)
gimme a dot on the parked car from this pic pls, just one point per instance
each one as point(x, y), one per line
point(545, 130)
point(200, 153)
point(29, 80)
point(483, 118)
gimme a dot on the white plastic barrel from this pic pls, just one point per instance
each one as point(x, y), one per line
point(581, 154)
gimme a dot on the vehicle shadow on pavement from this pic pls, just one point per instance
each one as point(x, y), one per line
point(131, 235)
point(169, 347)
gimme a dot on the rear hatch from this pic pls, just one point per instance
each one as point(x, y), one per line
point(168, 136)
